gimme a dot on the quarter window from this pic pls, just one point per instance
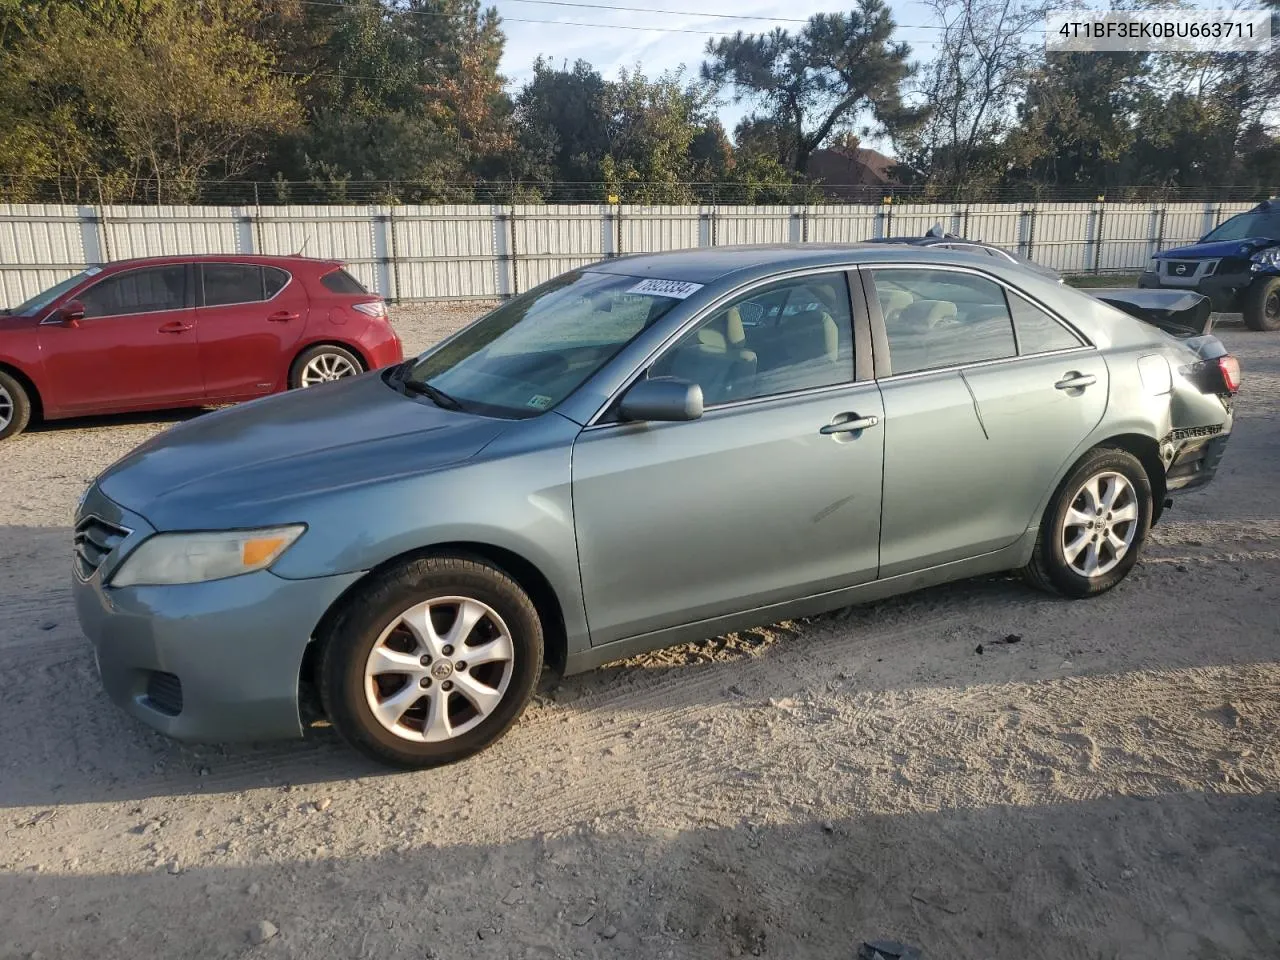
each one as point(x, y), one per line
point(942, 318)
point(228, 283)
point(137, 291)
point(791, 335)
point(339, 281)
point(1037, 331)
point(273, 281)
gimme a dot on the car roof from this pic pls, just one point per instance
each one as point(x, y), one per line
point(254, 258)
point(707, 265)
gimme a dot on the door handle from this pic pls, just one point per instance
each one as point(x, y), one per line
point(852, 425)
point(282, 316)
point(1076, 381)
point(175, 326)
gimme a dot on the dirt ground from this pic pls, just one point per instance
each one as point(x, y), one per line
point(1105, 787)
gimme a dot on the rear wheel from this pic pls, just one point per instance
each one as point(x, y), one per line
point(1095, 526)
point(323, 364)
point(432, 662)
point(15, 406)
point(1262, 304)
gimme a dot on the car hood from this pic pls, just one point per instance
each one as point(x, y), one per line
point(1221, 248)
point(239, 465)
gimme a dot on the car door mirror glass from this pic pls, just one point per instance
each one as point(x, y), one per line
point(662, 399)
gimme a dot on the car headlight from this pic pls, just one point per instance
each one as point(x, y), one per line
point(1266, 259)
point(169, 558)
point(1153, 266)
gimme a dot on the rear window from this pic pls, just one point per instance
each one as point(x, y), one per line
point(339, 281)
point(273, 281)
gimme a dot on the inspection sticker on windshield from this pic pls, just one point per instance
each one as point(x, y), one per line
point(678, 289)
point(538, 401)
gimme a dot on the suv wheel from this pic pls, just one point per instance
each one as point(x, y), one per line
point(1262, 304)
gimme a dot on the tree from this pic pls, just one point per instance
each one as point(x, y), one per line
point(562, 119)
point(171, 93)
point(985, 54)
point(820, 80)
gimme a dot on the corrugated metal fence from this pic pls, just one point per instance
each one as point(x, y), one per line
point(492, 251)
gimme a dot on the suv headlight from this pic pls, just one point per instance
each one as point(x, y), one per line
point(1266, 259)
point(1153, 266)
point(169, 558)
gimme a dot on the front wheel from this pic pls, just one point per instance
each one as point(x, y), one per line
point(1094, 527)
point(1262, 304)
point(15, 407)
point(431, 662)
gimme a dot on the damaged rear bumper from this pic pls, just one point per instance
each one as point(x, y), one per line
point(1192, 456)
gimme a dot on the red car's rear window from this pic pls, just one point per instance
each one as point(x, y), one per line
point(339, 281)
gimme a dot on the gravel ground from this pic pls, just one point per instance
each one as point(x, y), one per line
point(1104, 787)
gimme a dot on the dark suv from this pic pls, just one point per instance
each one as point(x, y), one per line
point(1236, 265)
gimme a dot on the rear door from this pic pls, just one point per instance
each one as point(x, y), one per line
point(250, 317)
point(136, 346)
point(979, 419)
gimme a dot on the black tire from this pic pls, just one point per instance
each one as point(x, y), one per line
point(1049, 568)
point(1262, 305)
point(321, 350)
point(15, 407)
point(362, 622)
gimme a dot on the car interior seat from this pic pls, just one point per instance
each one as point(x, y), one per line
point(892, 302)
point(716, 358)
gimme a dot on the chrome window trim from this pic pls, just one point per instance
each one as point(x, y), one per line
point(977, 364)
point(236, 263)
point(958, 268)
point(841, 270)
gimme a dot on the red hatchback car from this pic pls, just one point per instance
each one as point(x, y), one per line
point(186, 331)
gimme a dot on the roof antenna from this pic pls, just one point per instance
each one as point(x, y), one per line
point(302, 249)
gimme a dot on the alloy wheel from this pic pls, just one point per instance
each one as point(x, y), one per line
point(327, 367)
point(439, 669)
point(1100, 524)
point(6, 408)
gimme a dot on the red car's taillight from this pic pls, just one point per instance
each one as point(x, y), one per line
point(1229, 367)
point(371, 308)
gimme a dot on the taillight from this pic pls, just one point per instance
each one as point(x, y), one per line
point(371, 308)
point(1229, 367)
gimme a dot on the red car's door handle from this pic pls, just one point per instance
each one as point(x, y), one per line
point(282, 316)
point(175, 326)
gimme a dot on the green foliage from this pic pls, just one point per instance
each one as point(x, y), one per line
point(836, 69)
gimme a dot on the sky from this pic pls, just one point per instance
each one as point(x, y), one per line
point(657, 44)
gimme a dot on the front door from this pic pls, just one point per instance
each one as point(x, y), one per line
point(978, 421)
point(753, 503)
point(250, 318)
point(136, 346)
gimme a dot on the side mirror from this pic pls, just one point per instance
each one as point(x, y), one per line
point(662, 398)
point(71, 313)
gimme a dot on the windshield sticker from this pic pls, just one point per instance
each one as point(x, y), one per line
point(677, 289)
point(538, 401)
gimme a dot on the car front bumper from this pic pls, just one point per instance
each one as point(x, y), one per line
point(215, 661)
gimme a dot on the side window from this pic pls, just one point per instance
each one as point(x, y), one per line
point(339, 281)
point(942, 318)
point(138, 291)
point(273, 281)
point(790, 335)
point(227, 283)
point(1037, 331)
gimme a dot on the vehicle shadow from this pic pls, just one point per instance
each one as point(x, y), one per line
point(1170, 874)
point(65, 743)
point(144, 418)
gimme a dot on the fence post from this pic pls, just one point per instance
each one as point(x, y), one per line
point(391, 249)
point(504, 264)
point(1160, 217)
point(617, 226)
point(1030, 213)
point(1097, 237)
point(104, 234)
point(515, 263)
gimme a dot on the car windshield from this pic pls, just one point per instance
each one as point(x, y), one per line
point(1245, 225)
point(533, 351)
point(46, 297)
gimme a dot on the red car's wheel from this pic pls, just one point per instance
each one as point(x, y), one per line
point(15, 406)
point(323, 364)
